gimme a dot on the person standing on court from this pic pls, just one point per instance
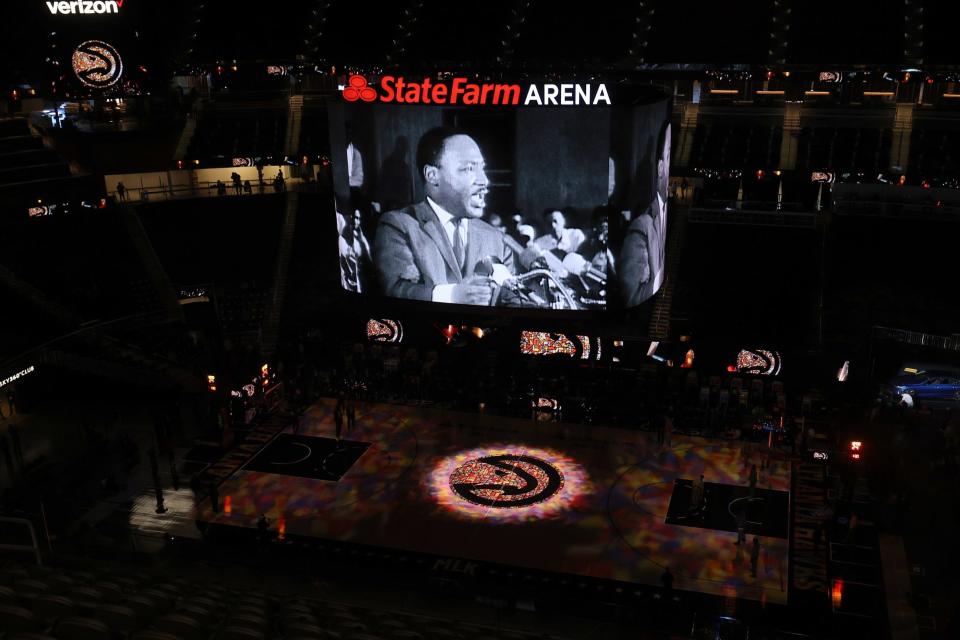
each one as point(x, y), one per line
point(338, 412)
point(351, 412)
point(741, 527)
point(666, 579)
point(754, 556)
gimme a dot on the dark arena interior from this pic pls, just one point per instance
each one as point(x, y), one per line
point(367, 321)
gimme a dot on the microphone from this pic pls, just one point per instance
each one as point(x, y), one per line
point(493, 268)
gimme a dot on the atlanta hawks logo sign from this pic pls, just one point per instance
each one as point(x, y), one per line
point(97, 64)
point(506, 481)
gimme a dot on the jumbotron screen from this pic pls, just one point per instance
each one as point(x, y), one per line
point(529, 194)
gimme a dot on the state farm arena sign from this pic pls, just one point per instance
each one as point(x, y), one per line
point(462, 91)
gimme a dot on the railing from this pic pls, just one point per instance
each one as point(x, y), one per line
point(949, 343)
point(895, 209)
point(34, 547)
point(803, 220)
point(732, 204)
point(207, 189)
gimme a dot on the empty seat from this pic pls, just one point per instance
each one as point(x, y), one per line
point(353, 626)
point(49, 607)
point(146, 607)
point(252, 601)
point(30, 588)
point(206, 616)
point(86, 597)
point(162, 598)
point(153, 634)
point(342, 616)
point(297, 606)
point(14, 618)
point(249, 620)
point(76, 628)
point(296, 620)
point(10, 575)
point(173, 590)
point(184, 626)
point(305, 630)
point(60, 582)
point(120, 618)
point(85, 577)
point(204, 601)
point(243, 611)
point(128, 583)
point(231, 632)
point(112, 592)
point(390, 624)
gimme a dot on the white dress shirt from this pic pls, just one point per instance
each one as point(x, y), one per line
point(354, 166)
point(662, 225)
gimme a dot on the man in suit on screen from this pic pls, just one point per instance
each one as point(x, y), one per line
point(641, 262)
point(430, 250)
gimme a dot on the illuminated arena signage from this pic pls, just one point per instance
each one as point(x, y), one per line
point(400, 90)
point(17, 376)
point(97, 64)
point(384, 330)
point(97, 7)
point(506, 481)
point(762, 362)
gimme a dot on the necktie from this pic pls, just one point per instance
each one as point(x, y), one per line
point(458, 251)
point(663, 246)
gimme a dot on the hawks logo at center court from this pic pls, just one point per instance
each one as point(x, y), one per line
point(506, 481)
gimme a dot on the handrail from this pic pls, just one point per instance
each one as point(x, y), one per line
point(20, 547)
point(207, 189)
point(907, 336)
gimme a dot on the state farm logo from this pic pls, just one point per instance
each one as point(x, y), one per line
point(463, 91)
point(357, 89)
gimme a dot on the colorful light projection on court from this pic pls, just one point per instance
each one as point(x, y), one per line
point(507, 483)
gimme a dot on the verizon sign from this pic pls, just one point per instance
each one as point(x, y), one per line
point(462, 91)
point(97, 7)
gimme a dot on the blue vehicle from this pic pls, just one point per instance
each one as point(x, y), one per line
point(925, 384)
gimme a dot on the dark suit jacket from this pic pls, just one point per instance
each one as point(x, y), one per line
point(413, 255)
point(639, 261)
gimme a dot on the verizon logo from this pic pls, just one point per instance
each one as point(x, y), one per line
point(69, 7)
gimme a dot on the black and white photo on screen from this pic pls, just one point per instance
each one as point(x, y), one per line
point(550, 208)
